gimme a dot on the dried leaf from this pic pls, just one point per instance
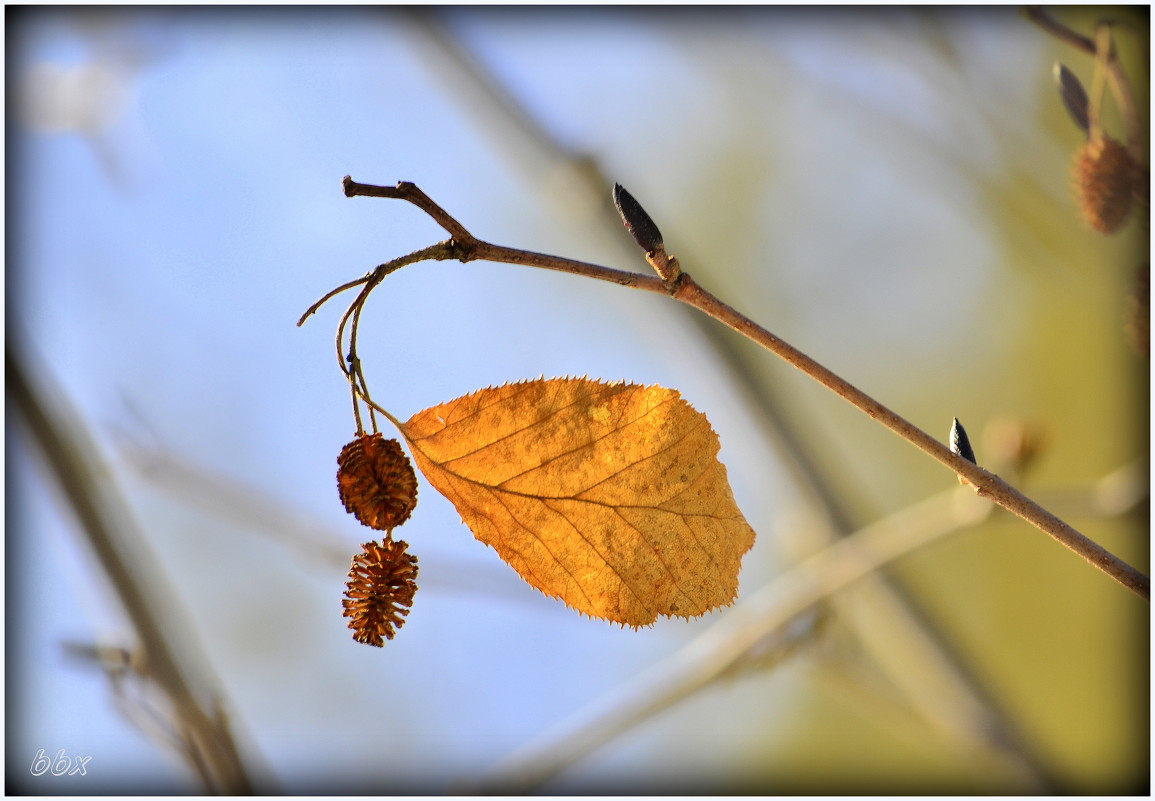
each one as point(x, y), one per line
point(607, 496)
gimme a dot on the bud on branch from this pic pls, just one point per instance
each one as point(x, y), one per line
point(645, 232)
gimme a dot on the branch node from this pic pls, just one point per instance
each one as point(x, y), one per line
point(666, 266)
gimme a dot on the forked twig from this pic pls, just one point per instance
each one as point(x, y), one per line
point(348, 361)
point(464, 247)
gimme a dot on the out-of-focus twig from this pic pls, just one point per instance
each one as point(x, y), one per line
point(251, 508)
point(765, 616)
point(1041, 17)
point(199, 726)
point(1117, 493)
point(736, 634)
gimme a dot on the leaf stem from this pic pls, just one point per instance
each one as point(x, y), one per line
point(465, 247)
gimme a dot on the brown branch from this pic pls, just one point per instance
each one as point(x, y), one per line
point(1041, 17)
point(404, 190)
point(466, 247)
point(985, 483)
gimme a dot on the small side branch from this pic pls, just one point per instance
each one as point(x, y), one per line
point(466, 247)
point(404, 190)
point(1041, 17)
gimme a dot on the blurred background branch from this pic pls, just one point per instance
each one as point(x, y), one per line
point(257, 511)
point(722, 648)
point(194, 721)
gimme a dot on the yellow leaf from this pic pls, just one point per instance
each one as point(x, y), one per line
point(607, 496)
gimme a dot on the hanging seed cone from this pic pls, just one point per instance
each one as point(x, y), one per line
point(1104, 176)
point(376, 482)
point(382, 582)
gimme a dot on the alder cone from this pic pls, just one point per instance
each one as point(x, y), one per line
point(382, 582)
point(1104, 179)
point(376, 482)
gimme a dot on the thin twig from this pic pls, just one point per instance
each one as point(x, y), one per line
point(1103, 50)
point(348, 361)
point(1041, 17)
point(441, 250)
point(343, 363)
point(465, 247)
point(330, 294)
point(405, 190)
point(356, 375)
point(316, 544)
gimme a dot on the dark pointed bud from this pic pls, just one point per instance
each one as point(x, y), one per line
point(1074, 96)
point(643, 229)
point(960, 443)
